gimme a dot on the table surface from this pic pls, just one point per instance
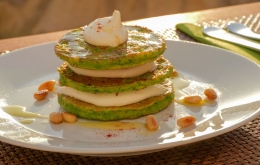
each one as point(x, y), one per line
point(240, 146)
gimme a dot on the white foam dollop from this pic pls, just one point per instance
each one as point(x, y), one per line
point(107, 31)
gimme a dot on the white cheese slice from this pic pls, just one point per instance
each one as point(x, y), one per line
point(114, 99)
point(116, 73)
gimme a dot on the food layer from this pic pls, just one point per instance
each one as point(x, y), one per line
point(69, 78)
point(89, 111)
point(116, 73)
point(142, 46)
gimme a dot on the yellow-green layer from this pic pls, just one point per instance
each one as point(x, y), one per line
point(141, 47)
point(115, 85)
point(93, 112)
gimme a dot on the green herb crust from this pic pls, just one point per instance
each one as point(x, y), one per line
point(115, 85)
point(89, 111)
point(141, 47)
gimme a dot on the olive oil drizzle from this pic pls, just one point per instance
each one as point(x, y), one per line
point(20, 111)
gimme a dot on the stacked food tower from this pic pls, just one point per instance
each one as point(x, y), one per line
point(113, 72)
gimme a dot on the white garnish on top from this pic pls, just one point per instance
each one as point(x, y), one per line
point(107, 31)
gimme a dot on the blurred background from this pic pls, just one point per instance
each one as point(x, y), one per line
point(27, 17)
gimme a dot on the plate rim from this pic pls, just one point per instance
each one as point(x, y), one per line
point(129, 149)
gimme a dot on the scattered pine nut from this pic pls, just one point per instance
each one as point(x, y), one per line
point(192, 99)
point(210, 93)
point(49, 85)
point(55, 117)
point(151, 122)
point(40, 95)
point(174, 73)
point(186, 121)
point(68, 117)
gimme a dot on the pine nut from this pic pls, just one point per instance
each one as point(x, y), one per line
point(55, 117)
point(49, 85)
point(192, 99)
point(174, 73)
point(151, 122)
point(186, 121)
point(210, 93)
point(40, 95)
point(68, 117)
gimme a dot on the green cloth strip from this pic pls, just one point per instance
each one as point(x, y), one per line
point(195, 32)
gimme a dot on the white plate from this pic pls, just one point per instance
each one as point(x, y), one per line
point(235, 78)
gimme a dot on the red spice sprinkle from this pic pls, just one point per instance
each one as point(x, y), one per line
point(97, 31)
point(111, 135)
point(116, 94)
point(99, 27)
point(165, 120)
point(99, 24)
point(109, 21)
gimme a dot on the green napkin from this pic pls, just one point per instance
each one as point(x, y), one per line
point(195, 32)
